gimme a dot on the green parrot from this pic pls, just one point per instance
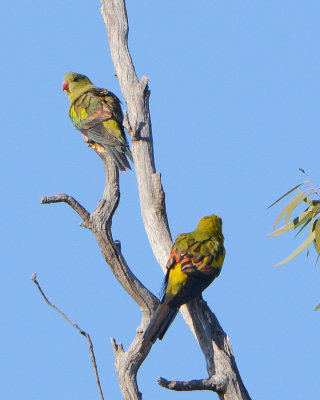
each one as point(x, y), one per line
point(195, 261)
point(97, 114)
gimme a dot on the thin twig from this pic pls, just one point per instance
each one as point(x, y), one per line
point(313, 188)
point(81, 331)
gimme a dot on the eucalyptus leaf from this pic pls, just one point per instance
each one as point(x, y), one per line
point(303, 226)
point(312, 202)
point(315, 208)
point(302, 247)
point(317, 236)
point(301, 196)
point(301, 219)
point(286, 194)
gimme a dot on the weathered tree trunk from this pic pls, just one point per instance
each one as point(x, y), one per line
point(224, 378)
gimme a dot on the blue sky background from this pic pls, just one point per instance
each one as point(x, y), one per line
point(235, 112)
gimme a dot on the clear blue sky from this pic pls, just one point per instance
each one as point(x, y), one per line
point(235, 111)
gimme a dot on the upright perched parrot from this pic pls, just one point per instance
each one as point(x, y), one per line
point(98, 116)
point(195, 261)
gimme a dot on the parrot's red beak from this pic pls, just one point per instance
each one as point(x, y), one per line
point(65, 86)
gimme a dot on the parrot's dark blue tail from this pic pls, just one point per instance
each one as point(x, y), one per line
point(160, 322)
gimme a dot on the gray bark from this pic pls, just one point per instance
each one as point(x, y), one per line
point(212, 339)
point(224, 378)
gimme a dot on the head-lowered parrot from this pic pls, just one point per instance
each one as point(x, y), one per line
point(195, 261)
point(98, 116)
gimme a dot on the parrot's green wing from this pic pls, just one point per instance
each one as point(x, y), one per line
point(97, 114)
point(197, 256)
point(195, 261)
point(94, 106)
point(193, 264)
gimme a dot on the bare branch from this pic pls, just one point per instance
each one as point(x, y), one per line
point(220, 360)
point(99, 222)
point(65, 198)
point(127, 364)
point(216, 347)
point(136, 95)
point(196, 384)
point(81, 331)
point(213, 341)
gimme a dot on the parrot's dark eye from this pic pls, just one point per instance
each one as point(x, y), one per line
point(75, 79)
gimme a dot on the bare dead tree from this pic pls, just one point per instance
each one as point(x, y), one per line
point(224, 378)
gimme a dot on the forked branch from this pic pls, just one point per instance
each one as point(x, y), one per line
point(212, 339)
point(99, 222)
point(224, 377)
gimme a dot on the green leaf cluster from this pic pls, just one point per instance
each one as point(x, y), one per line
point(308, 218)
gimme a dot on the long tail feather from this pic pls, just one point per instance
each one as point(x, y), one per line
point(128, 153)
point(119, 158)
point(160, 322)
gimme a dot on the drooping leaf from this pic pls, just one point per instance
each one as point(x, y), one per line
point(289, 208)
point(294, 203)
point(317, 308)
point(303, 226)
point(317, 236)
point(315, 208)
point(312, 202)
point(301, 219)
point(303, 246)
point(286, 194)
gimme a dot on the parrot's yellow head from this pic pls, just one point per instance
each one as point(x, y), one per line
point(75, 84)
point(211, 224)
